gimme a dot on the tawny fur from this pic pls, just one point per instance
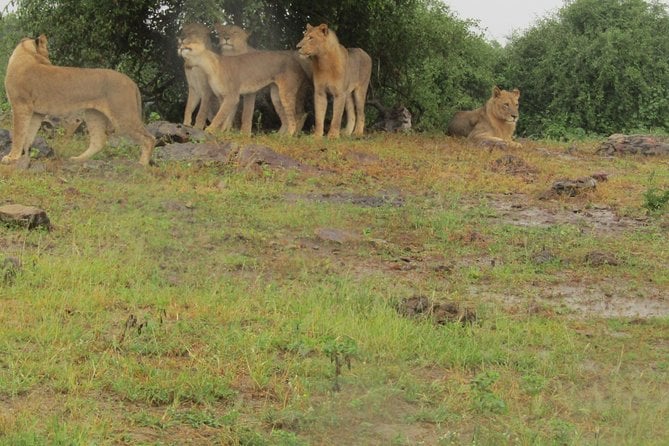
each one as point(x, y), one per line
point(494, 123)
point(342, 73)
point(199, 92)
point(36, 88)
point(232, 76)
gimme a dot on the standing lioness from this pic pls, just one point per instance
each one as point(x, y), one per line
point(340, 72)
point(36, 88)
point(232, 76)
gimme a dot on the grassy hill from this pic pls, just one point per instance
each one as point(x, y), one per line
point(408, 290)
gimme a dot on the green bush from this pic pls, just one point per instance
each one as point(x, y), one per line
point(597, 65)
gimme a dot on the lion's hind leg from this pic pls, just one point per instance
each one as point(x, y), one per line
point(146, 140)
point(360, 96)
point(97, 129)
point(350, 116)
point(278, 107)
point(287, 96)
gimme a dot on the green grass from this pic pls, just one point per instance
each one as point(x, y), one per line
point(189, 302)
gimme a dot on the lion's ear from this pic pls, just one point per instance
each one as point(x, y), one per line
point(516, 92)
point(496, 91)
point(309, 27)
point(323, 27)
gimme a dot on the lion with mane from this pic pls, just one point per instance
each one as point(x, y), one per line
point(338, 71)
point(36, 88)
point(492, 124)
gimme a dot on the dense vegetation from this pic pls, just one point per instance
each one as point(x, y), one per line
point(597, 66)
point(592, 67)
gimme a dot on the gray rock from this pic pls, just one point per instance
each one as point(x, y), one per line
point(189, 151)
point(634, 145)
point(38, 149)
point(254, 156)
point(26, 216)
point(336, 235)
point(169, 132)
point(575, 187)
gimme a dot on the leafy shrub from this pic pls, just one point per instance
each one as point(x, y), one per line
point(597, 65)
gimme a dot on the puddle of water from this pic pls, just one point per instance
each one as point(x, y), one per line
point(587, 301)
point(514, 210)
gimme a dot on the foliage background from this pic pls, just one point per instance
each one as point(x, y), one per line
point(594, 67)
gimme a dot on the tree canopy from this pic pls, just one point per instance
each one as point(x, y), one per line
point(597, 66)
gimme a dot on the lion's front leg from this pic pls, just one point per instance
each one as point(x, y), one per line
point(21, 124)
point(228, 106)
point(97, 130)
point(320, 104)
point(206, 99)
point(514, 144)
point(350, 115)
point(191, 103)
point(338, 105)
point(248, 106)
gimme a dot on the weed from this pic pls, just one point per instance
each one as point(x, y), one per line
point(485, 400)
point(655, 200)
point(340, 350)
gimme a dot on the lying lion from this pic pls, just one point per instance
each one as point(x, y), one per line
point(492, 124)
point(340, 72)
point(36, 88)
point(245, 74)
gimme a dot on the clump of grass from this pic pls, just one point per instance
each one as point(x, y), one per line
point(655, 200)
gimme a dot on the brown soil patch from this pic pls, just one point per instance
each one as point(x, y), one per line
point(515, 210)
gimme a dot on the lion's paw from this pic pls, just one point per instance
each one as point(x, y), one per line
point(9, 159)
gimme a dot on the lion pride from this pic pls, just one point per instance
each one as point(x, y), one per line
point(36, 88)
point(244, 74)
point(494, 123)
point(340, 72)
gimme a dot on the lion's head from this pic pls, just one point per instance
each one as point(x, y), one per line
point(195, 31)
point(35, 50)
point(192, 46)
point(315, 38)
point(42, 46)
point(232, 39)
point(504, 104)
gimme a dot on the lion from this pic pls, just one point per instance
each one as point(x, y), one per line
point(199, 92)
point(233, 41)
point(492, 124)
point(36, 88)
point(342, 73)
point(244, 74)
